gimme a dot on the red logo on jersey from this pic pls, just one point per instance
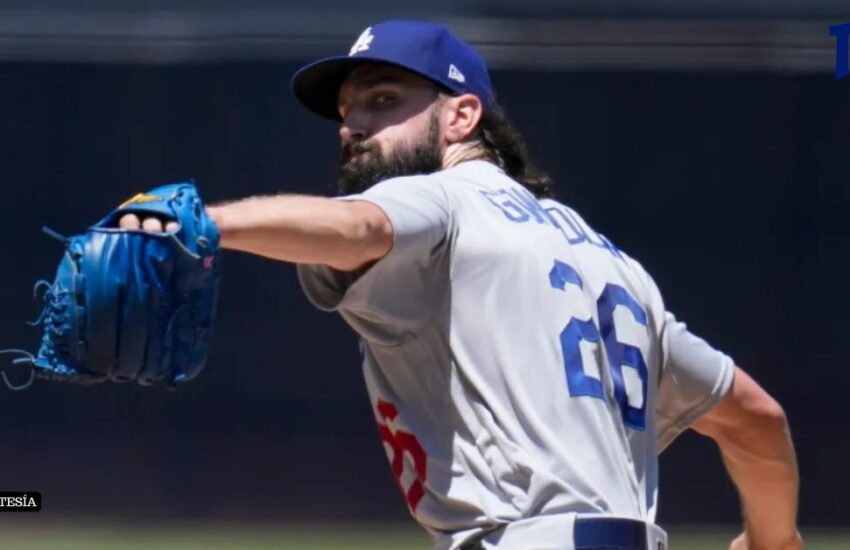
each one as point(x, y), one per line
point(401, 442)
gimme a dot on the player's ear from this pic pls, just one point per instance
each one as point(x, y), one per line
point(461, 115)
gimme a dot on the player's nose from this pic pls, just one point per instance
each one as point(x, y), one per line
point(347, 134)
point(352, 129)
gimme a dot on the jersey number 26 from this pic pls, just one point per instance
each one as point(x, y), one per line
point(631, 399)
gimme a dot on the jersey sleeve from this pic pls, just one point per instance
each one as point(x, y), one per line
point(694, 378)
point(399, 292)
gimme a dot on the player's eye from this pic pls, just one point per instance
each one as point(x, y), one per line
point(384, 100)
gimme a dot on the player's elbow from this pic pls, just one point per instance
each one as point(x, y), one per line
point(770, 413)
point(760, 412)
point(765, 419)
point(747, 411)
point(366, 238)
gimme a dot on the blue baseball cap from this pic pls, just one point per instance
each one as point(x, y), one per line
point(427, 49)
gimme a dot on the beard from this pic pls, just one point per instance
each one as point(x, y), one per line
point(357, 175)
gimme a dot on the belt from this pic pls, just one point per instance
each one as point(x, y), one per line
point(595, 533)
point(599, 533)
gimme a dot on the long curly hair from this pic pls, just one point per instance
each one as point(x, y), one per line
point(506, 147)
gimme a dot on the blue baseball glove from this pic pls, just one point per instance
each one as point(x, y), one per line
point(131, 305)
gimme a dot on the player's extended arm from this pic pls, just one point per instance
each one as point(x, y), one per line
point(752, 432)
point(345, 235)
point(342, 234)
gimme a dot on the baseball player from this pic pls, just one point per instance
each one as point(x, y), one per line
point(523, 371)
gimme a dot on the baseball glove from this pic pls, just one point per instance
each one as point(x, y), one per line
point(130, 305)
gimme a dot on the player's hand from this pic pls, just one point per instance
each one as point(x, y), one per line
point(742, 542)
point(154, 225)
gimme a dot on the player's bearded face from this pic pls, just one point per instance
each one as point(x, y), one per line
point(363, 163)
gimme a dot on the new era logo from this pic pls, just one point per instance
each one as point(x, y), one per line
point(455, 74)
point(363, 43)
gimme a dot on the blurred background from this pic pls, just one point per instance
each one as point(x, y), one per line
point(709, 140)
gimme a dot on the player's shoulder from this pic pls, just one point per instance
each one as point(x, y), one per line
point(397, 181)
point(409, 188)
point(447, 183)
point(572, 221)
point(474, 173)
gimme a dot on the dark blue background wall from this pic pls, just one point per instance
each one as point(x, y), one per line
point(730, 188)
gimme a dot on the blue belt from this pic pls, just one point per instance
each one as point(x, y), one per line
point(600, 534)
point(609, 533)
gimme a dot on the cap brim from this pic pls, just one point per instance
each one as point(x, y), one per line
point(317, 85)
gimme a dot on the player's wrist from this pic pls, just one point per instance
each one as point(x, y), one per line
point(216, 213)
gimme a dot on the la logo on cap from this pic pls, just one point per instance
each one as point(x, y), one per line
point(363, 42)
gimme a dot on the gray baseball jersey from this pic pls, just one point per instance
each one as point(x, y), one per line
point(519, 365)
